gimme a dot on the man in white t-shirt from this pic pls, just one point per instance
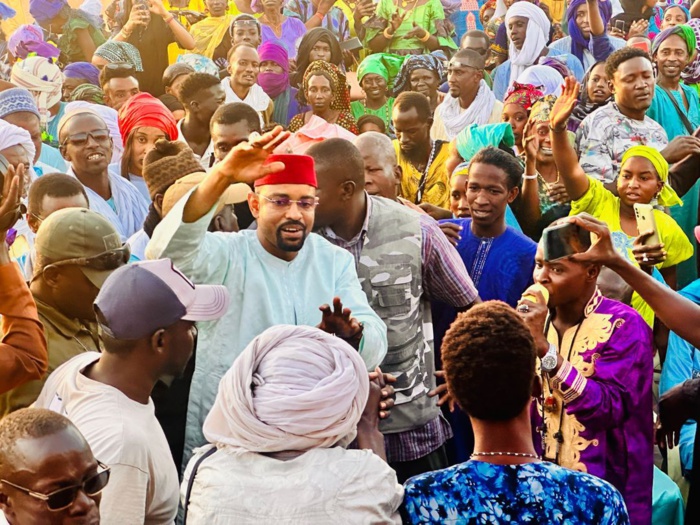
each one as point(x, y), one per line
point(146, 312)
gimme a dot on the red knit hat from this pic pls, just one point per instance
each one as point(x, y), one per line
point(298, 169)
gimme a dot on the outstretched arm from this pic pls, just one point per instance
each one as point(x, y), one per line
point(572, 175)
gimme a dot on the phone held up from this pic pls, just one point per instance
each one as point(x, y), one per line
point(563, 240)
point(646, 222)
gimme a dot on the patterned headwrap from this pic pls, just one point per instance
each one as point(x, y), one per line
point(88, 93)
point(383, 64)
point(341, 90)
point(45, 10)
point(114, 51)
point(432, 62)
point(524, 95)
point(15, 100)
point(578, 42)
point(668, 196)
point(83, 70)
point(691, 74)
point(684, 31)
point(490, 4)
point(44, 81)
point(542, 108)
point(28, 39)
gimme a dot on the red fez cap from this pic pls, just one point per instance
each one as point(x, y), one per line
point(298, 169)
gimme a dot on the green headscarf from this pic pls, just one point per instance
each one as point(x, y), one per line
point(683, 30)
point(382, 64)
point(474, 138)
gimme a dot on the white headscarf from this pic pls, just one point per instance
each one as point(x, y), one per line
point(500, 9)
point(11, 135)
point(44, 81)
point(111, 118)
point(292, 388)
point(536, 37)
point(544, 77)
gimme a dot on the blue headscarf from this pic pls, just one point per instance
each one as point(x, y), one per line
point(6, 12)
point(578, 42)
point(45, 10)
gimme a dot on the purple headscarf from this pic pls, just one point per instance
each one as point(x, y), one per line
point(29, 39)
point(274, 83)
point(83, 70)
point(45, 10)
point(578, 42)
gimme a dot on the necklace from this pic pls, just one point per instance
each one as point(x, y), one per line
point(382, 112)
point(276, 28)
point(548, 184)
point(514, 454)
point(424, 175)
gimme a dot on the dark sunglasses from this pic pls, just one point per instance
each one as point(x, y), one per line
point(120, 66)
point(63, 498)
point(80, 139)
point(110, 260)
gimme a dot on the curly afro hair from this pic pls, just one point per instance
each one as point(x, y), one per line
point(488, 355)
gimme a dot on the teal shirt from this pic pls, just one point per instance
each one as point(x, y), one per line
point(52, 126)
point(264, 291)
point(663, 111)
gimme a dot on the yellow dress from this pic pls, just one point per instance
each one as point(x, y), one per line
point(605, 206)
point(437, 185)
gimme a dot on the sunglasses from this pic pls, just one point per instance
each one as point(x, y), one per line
point(284, 203)
point(110, 260)
point(63, 498)
point(80, 139)
point(120, 66)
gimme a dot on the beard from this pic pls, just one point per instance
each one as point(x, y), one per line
point(291, 246)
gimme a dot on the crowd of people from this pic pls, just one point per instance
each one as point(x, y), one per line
point(289, 261)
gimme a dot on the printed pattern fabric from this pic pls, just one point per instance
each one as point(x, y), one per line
point(476, 492)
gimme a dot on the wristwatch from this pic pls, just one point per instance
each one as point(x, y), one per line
point(549, 361)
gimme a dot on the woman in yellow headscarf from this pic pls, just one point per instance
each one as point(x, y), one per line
point(643, 179)
point(213, 32)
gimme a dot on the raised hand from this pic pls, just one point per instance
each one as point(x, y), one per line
point(157, 8)
point(602, 250)
point(531, 142)
point(648, 255)
point(244, 163)
point(10, 204)
point(638, 28)
point(396, 21)
point(324, 6)
point(363, 9)
point(565, 104)
point(338, 321)
point(139, 16)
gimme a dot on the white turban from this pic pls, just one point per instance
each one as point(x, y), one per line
point(11, 135)
point(536, 37)
point(292, 388)
point(111, 118)
point(544, 77)
point(43, 79)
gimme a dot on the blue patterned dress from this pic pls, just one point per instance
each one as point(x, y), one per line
point(477, 492)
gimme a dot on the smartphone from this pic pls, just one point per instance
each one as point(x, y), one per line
point(620, 24)
point(644, 46)
point(352, 44)
point(647, 222)
point(563, 240)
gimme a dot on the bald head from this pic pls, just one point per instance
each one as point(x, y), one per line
point(382, 173)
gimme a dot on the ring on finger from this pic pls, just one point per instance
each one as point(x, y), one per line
point(645, 258)
point(523, 308)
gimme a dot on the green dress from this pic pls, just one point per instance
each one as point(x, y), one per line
point(68, 41)
point(430, 16)
point(358, 109)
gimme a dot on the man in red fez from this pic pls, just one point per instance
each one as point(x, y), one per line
point(280, 273)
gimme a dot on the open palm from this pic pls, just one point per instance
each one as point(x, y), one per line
point(565, 104)
point(246, 162)
point(10, 204)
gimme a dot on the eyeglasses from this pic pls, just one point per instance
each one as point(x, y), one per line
point(80, 139)
point(63, 498)
point(110, 260)
point(284, 203)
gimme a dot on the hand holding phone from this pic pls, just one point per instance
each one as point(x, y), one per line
point(646, 222)
point(562, 240)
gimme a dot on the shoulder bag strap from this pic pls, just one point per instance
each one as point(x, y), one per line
point(190, 482)
point(688, 126)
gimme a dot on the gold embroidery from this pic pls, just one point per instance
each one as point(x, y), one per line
point(596, 329)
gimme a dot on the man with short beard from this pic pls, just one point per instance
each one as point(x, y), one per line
point(277, 274)
point(241, 86)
